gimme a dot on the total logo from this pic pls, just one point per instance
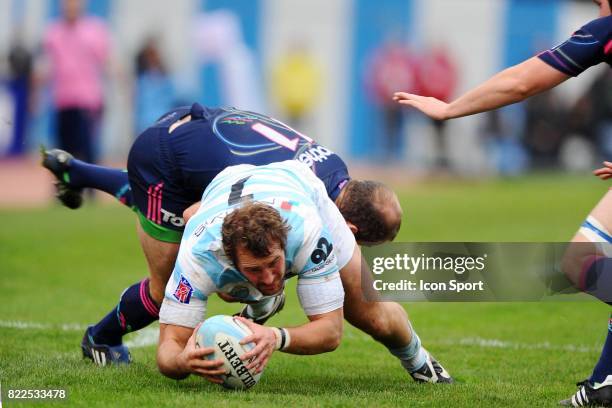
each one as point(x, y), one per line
point(172, 218)
point(315, 154)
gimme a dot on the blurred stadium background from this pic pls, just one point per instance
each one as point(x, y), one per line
point(327, 68)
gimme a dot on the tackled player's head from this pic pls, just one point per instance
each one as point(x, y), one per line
point(372, 210)
point(254, 237)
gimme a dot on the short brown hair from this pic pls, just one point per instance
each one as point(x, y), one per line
point(254, 226)
point(373, 208)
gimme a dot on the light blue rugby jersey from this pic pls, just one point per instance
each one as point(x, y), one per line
point(202, 267)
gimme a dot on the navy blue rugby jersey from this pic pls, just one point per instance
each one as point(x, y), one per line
point(589, 46)
point(216, 138)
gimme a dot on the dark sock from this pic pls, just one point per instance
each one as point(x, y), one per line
point(112, 181)
point(604, 365)
point(136, 309)
point(597, 278)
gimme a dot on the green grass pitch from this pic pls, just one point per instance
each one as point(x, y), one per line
point(61, 270)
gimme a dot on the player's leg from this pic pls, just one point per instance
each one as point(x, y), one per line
point(77, 128)
point(388, 323)
point(159, 235)
point(138, 304)
point(587, 263)
point(161, 257)
point(73, 175)
point(590, 247)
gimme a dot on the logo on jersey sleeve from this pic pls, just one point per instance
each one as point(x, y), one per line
point(322, 252)
point(183, 291)
point(321, 261)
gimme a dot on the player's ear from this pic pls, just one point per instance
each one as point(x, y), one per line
point(352, 227)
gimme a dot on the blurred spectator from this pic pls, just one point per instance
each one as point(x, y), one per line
point(391, 67)
point(590, 118)
point(296, 84)
point(601, 98)
point(545, 129)
point(76, 48)
point(154, 89)
point(502, 131)
point(219, 42)
point(437, 77)
point(580, 118)
point(20, 83)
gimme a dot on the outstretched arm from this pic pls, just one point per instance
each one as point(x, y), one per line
point(178, 356)
point(512, 85)
point(320, 335)
point(604, 172)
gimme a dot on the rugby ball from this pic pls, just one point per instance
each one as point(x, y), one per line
point(224, 333)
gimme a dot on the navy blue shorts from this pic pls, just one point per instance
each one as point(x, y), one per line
point(168, 172)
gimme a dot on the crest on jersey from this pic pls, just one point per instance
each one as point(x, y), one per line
point(183, 291)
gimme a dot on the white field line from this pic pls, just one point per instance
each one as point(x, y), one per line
point(14, 324)
point(143, 338)
point(502, 344)
point(150, 335)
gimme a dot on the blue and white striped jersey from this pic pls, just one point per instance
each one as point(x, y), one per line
point(202, 268)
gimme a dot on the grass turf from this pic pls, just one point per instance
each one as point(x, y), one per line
point(59, 266)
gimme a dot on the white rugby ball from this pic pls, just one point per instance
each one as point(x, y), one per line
point(224, 333)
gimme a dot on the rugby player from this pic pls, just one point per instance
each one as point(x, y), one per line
point(169, 166)
point(588, 265)
point(257, 227)
point(587, 47)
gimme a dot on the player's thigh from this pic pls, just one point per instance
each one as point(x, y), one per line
point(591, 239)
point(160, 257)
point(158, 198)
point(603, 211)
point(598, 225)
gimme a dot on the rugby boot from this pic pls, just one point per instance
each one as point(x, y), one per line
point(432, 372)
point(58, 162)
point(102, 354)
point(598, 395)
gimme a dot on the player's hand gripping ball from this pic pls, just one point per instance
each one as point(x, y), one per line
point(224, 333)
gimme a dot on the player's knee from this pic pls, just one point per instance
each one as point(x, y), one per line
point(380, 327)
point(592, 240)
point(377, 321)
point(570, 266)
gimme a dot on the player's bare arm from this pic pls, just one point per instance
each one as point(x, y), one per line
point(321, 334)
point(512, 85)
point(604, 172)
point(178, 356)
